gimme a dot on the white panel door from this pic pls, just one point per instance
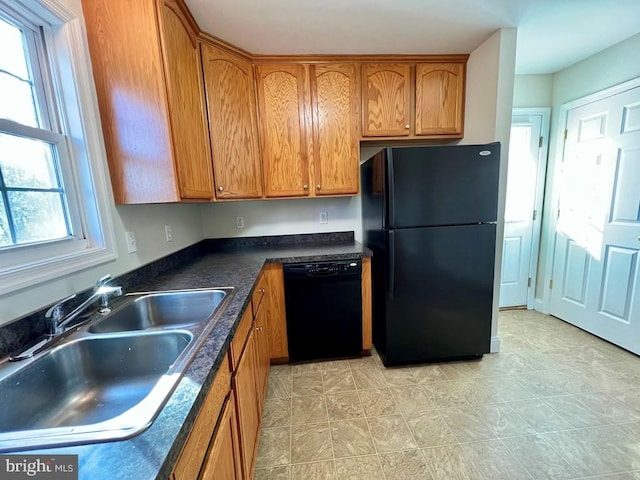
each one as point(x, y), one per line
point(524, 146)
point(596, 272)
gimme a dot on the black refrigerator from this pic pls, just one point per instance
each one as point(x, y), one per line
point(429, 216)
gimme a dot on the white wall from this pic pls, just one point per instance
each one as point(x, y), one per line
point(532, 91)
point(280, 217)
point(490, 80)
point(147, 222)
point(607, 68)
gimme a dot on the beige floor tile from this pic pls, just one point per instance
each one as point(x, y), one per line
point(367, 361)
point(308, 409)
point(274, 447)
point(608, 407)
point(425, 374)
point(541, 459)
point(620, 444)
point(408, 465)
point(359, 468)
point(314, 471)
point(311, 443)
point(541, 384)
point(277, 412)
point(342, 406)
point(508, 388)
point(335, 365)
point(307, 384)
point(631, 398)
point(398, 376)
point(411, 398)
point(573, 411)
point(338, 381)
point(459, 370)
point(449, 462)
point(466, 424)
point(540, 416)
point(494, 462)
point(429, 429)
point(391, 433)
point(449, 394)
point(503, 421)
point(299, 369)
point(351, 438)
point(281, 370)
point(279, 386)
point(273, 473)
point(581, 450)
point(368, 377)
point(478, 392)
point(619, 476)
point(377, 402)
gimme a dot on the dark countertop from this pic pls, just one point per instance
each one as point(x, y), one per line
point(154, 452)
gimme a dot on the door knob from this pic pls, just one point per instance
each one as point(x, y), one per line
point(221, 188)
point(305, 187)
point(318, 187)
point(407, 127)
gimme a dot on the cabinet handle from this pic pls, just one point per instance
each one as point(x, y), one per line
point(407, 126)
point(262, 291)
point(221, 188)
point(305, 187)
point(318, 187)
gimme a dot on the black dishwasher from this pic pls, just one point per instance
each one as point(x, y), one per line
point(324, 309)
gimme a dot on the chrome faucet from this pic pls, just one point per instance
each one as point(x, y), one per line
point(60, 323)
point(102, 292)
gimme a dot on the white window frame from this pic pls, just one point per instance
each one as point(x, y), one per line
point(86, 185)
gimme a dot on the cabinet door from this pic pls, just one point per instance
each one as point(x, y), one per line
point(262, 354)
point(276, 319)
point(335, 128)
point(186, 104)
point(233, 127)
point(439, 98)
point(283, 131)
point(386, 100)
point(223, 459)
point(247, 404)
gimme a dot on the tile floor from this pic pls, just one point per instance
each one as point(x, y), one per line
point(556, 403)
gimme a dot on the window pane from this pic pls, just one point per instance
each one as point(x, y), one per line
point(5, 233)
point(16, 101)
point(27, 163)
point(12, 57)
point(37, 216)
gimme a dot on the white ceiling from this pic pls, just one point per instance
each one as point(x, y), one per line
point(552, 34)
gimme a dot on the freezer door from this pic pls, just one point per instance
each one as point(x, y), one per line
point(430, 186)
point(440, 293)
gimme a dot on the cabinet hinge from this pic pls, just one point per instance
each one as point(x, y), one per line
point(540, 143)
point(566, 132)
point(550, 284)
point(535, 215)
point(529, 282)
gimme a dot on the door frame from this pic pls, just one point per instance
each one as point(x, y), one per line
point(545, 113)
point(553, 187)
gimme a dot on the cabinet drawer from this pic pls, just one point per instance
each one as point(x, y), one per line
point(258, 293)
point(195, 449)
point(240, 338)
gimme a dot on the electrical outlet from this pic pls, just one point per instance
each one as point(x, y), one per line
point(324, 217)
point(167, 233)
point(132, 246)
point(239, 222)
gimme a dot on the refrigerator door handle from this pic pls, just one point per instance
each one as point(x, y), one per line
point(392, 266)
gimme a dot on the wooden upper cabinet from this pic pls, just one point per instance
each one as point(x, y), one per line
point(186, 103)
point(145, 66)
point(439, 98)
point(283, 129)
point(334, 101)
point(386, 100)
point(230, 92)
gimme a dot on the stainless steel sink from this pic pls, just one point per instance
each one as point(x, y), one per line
point(162, 310)
point(93, 386)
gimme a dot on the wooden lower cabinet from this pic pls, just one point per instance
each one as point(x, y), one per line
point(223, 461)
point(247, 405)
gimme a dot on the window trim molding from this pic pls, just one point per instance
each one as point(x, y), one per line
point(80, 122)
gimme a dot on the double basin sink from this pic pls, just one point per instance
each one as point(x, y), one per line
point(109, 378)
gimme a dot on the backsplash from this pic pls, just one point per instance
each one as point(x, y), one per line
point(17, 334)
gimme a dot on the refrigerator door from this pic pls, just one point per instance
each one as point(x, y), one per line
point(442, 185)
point(439, 293)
